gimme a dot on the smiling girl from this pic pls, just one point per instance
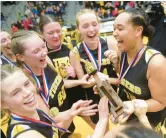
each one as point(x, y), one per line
point(27, 120)
point(7, 57)
point(92, 49)
point(31, 52)
point(59, 52)
point(142, 74)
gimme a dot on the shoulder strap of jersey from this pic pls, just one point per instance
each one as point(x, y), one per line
point(150, 53)
point(105, 38)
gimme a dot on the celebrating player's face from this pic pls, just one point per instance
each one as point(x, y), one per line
point(5, 42)
point(52, 33)
point(35, 52)
point(88, 27)
point(18, 94)
point(124, 32)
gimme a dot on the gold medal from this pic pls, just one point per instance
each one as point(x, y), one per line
point(54, 111)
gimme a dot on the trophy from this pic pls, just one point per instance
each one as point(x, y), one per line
point(69, 44)
point(105, 89)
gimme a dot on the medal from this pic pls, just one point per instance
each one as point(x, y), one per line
point(54, 111)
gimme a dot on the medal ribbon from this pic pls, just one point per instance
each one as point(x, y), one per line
point(7, 59)
point(55, 50)
point(17, 117)
point(45, 93)
point(130, 66)
point(91, 57)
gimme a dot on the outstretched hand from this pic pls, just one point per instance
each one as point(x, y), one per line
point(141, 107)
point(83, 108)
point(127, 112)
point(84, 80)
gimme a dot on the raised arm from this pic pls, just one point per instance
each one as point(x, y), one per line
point(75, 62)
point(103, 118)
point(112, 53)
point(73, 83)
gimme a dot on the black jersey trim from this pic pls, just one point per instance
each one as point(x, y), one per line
point(152, 57)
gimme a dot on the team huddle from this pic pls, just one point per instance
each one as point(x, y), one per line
point(45, 83)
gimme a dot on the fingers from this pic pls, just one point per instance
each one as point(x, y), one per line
point(86, 76)
point(77, 104)
point(112, 118)
point(86, 103)
point(112, 55)
point(120, 119)
point(123, 118)
point(91, 107)
point(90, 101)
point(108, 52)
point(92, 81)
point(89, 112)
point(95, 89)
point(71, 71)
point(114, 81)
point(82, 103)
point(127, 112)
point(140, 106)
point(129, 107)
point(84, 80)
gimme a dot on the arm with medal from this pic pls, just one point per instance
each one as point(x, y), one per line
point(85, 80)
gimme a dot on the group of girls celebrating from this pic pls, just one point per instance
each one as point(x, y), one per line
point(49, 84)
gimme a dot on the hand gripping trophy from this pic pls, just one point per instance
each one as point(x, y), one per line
point(105, 89)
